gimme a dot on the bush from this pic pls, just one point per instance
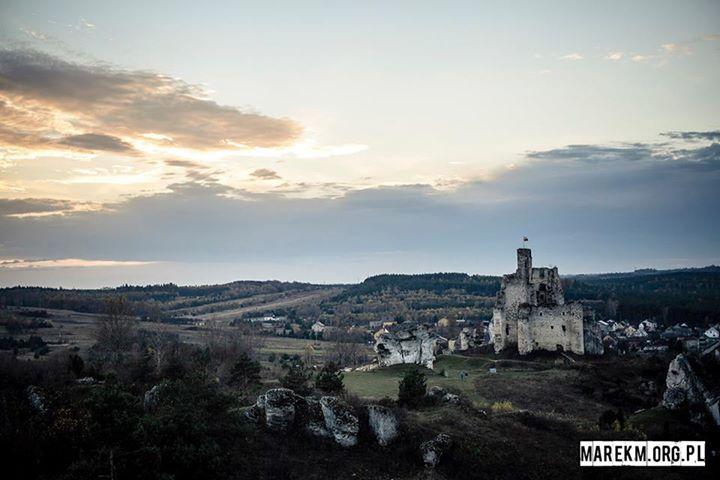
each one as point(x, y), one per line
point(330, 379)
point(505, 406)
point(296, 379)
point(245, 372)
point(412, 389)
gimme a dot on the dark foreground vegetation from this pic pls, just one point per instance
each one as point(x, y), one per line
point(56, 424)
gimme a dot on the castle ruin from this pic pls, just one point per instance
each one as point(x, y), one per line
point(531, 314)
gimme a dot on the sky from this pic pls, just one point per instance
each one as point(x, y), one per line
point(205, 142)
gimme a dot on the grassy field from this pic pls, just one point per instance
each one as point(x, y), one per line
point(383, 382)
point(541, 385)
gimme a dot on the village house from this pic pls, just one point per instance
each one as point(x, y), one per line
point(318, 328)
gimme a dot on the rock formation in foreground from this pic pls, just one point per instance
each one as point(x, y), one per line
point(282, 410)
point(686, 390)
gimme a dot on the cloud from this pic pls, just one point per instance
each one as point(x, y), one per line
point(96, 141)
point(47, 98)
point(195, 171)
point(33, 34)
point(643, 202)
point(572, 56)
point(32, 205)
point(614, 56)
point(42, 207)
point(713, 135)
point(265, 174)
point(28, 264)
point(84, 24)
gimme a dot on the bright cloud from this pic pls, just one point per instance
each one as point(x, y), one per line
point(25, 264)
point(572, 56)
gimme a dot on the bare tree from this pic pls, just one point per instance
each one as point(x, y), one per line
point(116, 331)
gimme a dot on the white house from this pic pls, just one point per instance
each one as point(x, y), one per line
point(317, 328)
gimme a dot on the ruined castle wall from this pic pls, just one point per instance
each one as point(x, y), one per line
point(546, 287)
point(548, 327)
point(513, 295)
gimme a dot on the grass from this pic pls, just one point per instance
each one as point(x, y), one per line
point(576, 393)
point(383, 382)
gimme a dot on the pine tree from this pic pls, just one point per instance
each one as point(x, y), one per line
point(245, 372)
point(330, 379)
point(412, 388)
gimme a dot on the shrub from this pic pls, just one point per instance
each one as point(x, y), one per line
point(330, 379)
point(505, 406)
point(245, 372)
point(296, 379)
point(412, 389)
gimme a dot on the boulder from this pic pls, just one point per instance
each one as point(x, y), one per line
point(152, 398)
point(433, 450)
point(340, 421)
point(383, 423)
point(37, 401)
point(314, 420)
point(439, 394)
point(451, 398)
point(436, 393)
point(682, 385)
point(467, 338)
point(279, 406)
point(411, 344)
point(674, 398)
point(255, 414)
point(592, 338)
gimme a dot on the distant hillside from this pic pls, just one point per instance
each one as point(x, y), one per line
point(437, 283)
point(687, 295)
point(648, 271)
point(148, 300)
point(684, 295)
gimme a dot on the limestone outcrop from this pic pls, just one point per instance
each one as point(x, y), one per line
point(685, 389)
point(35, 398)
point(412, 344)
point(433, 450)
point(593, 339)
point(315, 420)
point(383, 423)
point(340, 421)
point(466, 339)
point(279, 406)
point(439, 394)
point(682, 385)
point(151, 399)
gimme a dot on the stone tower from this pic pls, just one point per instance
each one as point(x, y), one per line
point(524, 263)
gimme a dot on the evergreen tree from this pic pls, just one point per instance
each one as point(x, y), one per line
point(296, 379)
point(412, 388)
point(330, 379)
point(245, 372)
